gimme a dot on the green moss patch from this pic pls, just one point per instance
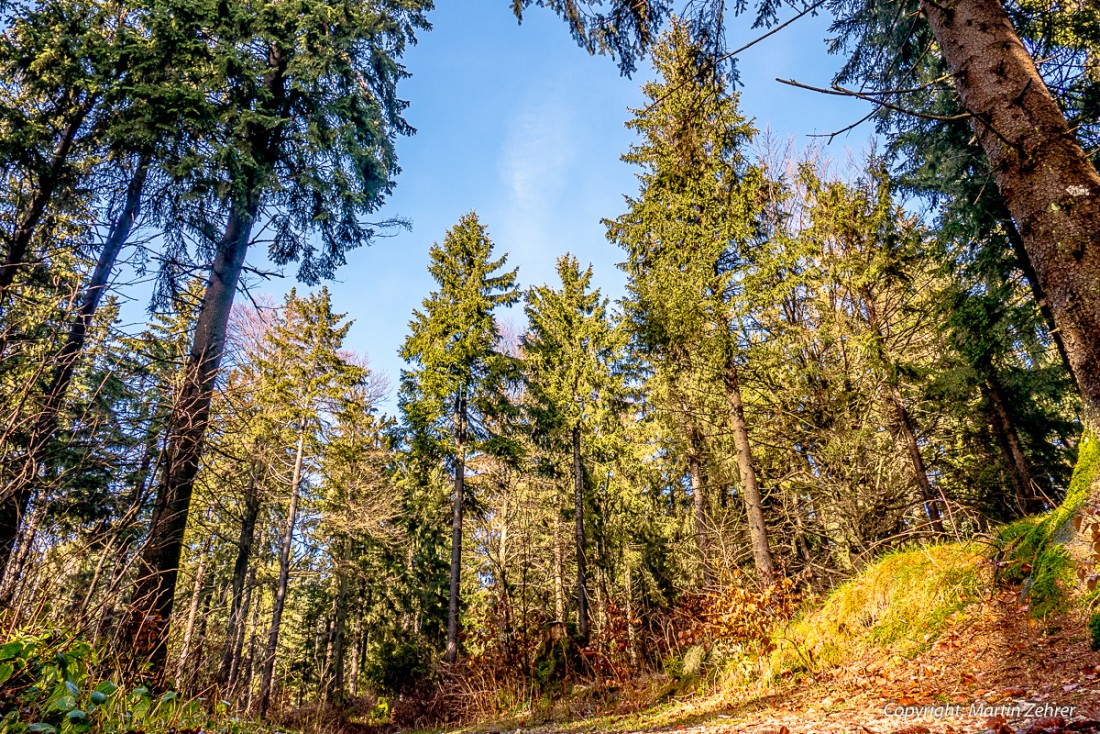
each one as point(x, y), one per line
point(1035, 554)
point(899, 603)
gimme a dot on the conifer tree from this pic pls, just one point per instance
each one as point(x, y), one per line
point(308, 126)
point(869, 243)
point(1043, 170)
point(305, 379)
point(570, 355)
point(456, 372)
point(688, 236)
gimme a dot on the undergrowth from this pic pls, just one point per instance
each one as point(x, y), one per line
point(897, 606)
point(54, 683)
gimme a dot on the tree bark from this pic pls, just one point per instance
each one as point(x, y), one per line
point(151, 605)
point(1008, 439)
point(191, 676)
point(237, 650)
point(356, 652)
point(1024, 264)
point(1046, 179)
point(281, 586)
point(24, 543)
point(451, 654)
point(909, 436)
point(240, 572)
point(18, 496)
point(559, 571)
point(699, 505)
point(192, 614)
point(248, 665)
point(631, 636)
point(339, 625)
point(750, 489)
point(578, 516)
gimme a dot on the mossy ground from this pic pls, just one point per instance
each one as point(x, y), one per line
point(899, 603)
point(1035, 553)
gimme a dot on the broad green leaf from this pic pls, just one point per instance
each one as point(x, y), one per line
point(65, 703)
point(140, 709)
point(106, 687)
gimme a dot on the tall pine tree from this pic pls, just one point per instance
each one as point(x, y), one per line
point(570, 353)
point(688, 237)
point(457, 372)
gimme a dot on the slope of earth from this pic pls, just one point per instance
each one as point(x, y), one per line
point(924, 640)
point(993, 669)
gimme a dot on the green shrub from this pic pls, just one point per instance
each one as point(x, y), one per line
point(1094, 631)
point(49, 685)
point(394, 663)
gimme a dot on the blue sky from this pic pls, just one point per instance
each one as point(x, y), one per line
point(519, 124)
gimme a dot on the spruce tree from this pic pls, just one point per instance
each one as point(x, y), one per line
point(457, 373)
point(688, 238)
point(307, 125)
point(305, 378)
point(570, 356)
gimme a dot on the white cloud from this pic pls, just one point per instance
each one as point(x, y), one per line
point(537, 155)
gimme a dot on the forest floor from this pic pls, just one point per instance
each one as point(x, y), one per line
point(993, 669)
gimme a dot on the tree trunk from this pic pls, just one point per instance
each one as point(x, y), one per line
point(192, 614)
point(1009, 441)
point(339, 624)
point(631, 641)
point(19, 244)
point(1024, 264)
point(117, 236)
point(456, 526)
point(284, 576)
point(559, 571)
point(699, 505)
point(248, 666)
point(578, 516)
point(356, 652)
point(1046, 179)
point(238, 641)
point(240, 572)
point(151, 606)
point(750, 490)
point(191, 676)
point(14, 505)
point(24, 543)
point(909, 436)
